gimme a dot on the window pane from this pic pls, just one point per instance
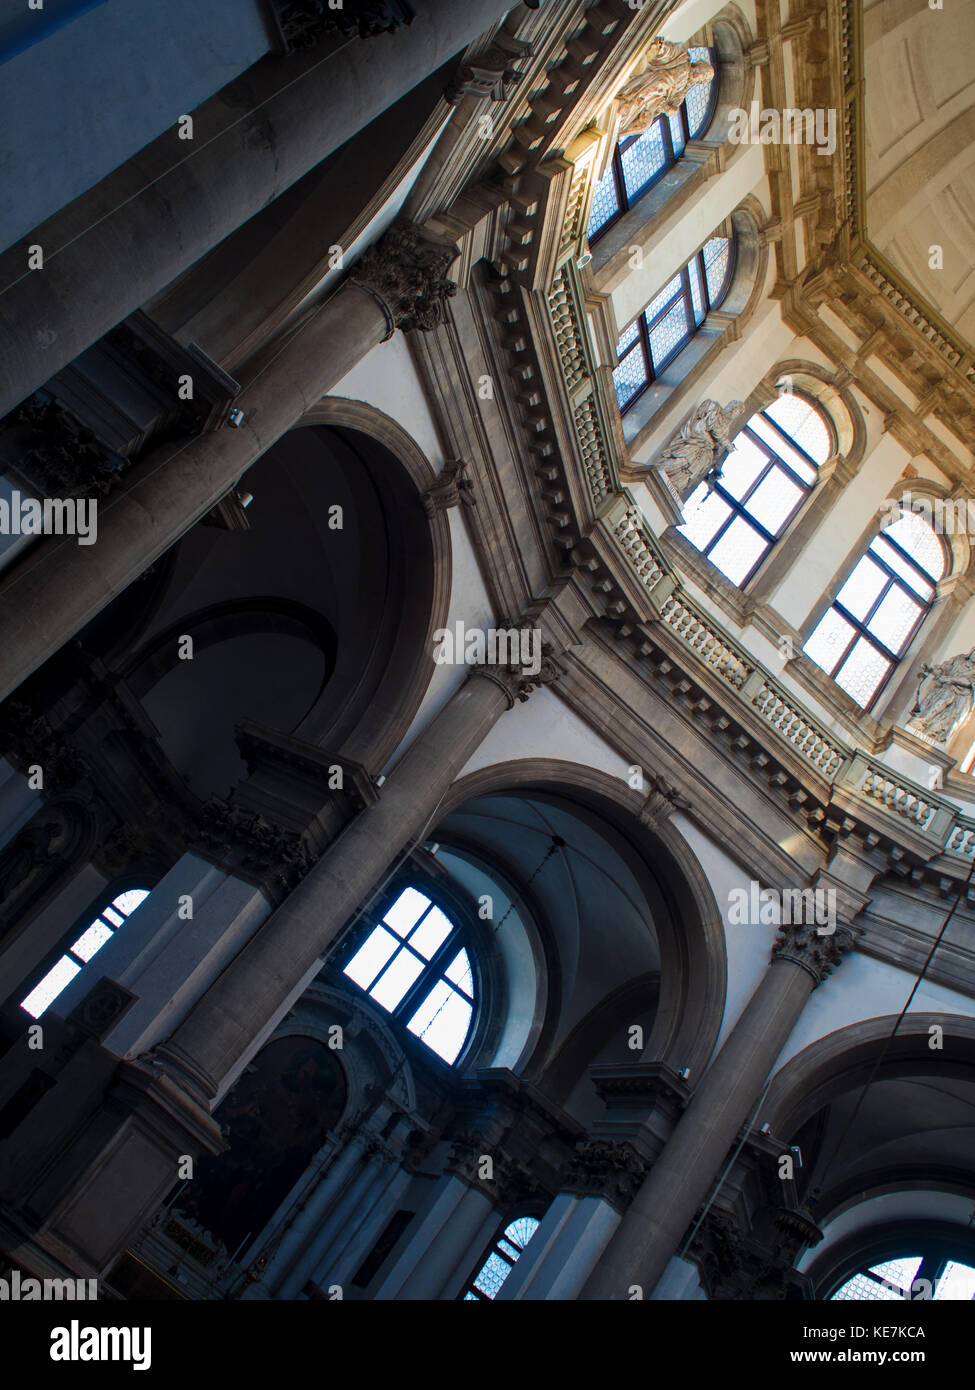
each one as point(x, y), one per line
point(908, 572)
point(371, 956)
point(863, 587)
point(862, 672)
point(742, 466)
point(717, 254)
point(957, 1282)
point(800, 419)
point(862, 1288)
point(668, 334)
point(661, 300)
point(628, 338)
point(899, 1272)
point(738, 550)
point(112, 916)
point(704, 519)
point(697, 290)
point(431, 933)
point(56, 979)
point(775, 499)
point(404, 970)
point(629, 376)
point(92, 940)
point(128, 901)
point(459, 971)
point(493, 1274)
point(913, 534)
point(770, 436)
point(828, 641)
point(521, 1230)
point(895, 618)
point(442, 1021)
point(676, 135)
point(405, 911)
point(699, 96)
point(605, 204)
point(643, 160)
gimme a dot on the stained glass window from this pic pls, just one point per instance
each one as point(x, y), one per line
point(501, 1259)
point(872, 621)
point(87, 941)
point(414, 965)
point(640, 161)
point(772, 468)
point(910, 1277)
point(670, 320)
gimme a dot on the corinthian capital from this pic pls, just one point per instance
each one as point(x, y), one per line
point(406, 270)
point(815, 951)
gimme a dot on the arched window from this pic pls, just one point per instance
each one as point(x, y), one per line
point(760, 486)
point(912, 1276)
point(501, 1258)
point(86, 944)
point(414, 965)
point(639, 161)
point(871, 622)
point(671, 319)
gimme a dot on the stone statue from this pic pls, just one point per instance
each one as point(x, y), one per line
point(659, 87)
point(699, 446)
point(945, 697)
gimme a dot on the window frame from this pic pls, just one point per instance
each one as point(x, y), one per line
point(626, 202)
point(492, 1249)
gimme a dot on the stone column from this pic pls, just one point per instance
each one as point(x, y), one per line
point(684, 1174)
point(398, 283)
point(113, 261)
point(261, 983)
point(457, 1225)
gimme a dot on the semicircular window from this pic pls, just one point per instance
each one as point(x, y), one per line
point(873, 619)
point(736, 519)
point(414, 965)
point(912, 1276)
point(85, 941)
point(671, 319)
point(501, 1259)
point(640, 161)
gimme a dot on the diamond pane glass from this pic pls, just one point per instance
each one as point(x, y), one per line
point(826, 644)
point(628, 338)
point(913, 534)
point(699, 97)
point(668, 335)
point(521, 1230)
point(431, 933)
point(442, 1021)
point(863, 587)
point(704, 516)
point(629, 376)
point(697, 291)
point(605, 204)
point(661, 300)
point(895, 619)
point(774, 500)
point(643, 160)
point(406, 911)
point(371, 956)
point(957, 1282)
point(44, 994)
point(493, 1273)
point(403, 971)
point(742, 466)
point(783, 449)
point(908, 572)
point(717, 254)
point(738, 550)
point(676, 135)
point(800, 419)
point(91, 941)
point(862, 672)
point(862, 1288)
point(899, 1272)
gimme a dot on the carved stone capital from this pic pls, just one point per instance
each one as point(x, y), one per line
point(406, 271)
point(817, 952)
point(606, 1168)
point(300, 24)
point(518, 682)
point(661, 804)
point(450, 489)
point(246, 839)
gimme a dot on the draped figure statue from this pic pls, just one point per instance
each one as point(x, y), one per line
point(660, 86)
point(945, 697)
point(698, 446)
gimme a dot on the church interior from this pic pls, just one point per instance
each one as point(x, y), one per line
point(487, 648)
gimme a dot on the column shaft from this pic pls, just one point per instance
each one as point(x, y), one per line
point(683, 1175)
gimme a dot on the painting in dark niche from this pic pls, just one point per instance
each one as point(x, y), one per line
point(274, 1119)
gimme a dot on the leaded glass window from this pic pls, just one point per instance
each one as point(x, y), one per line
point(501, 1259)
point(774, 465)
point(640, 161)
point(414, 965)
point(911, 1276)
point(88, 941)
point(872, 621)
point(671, 319)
